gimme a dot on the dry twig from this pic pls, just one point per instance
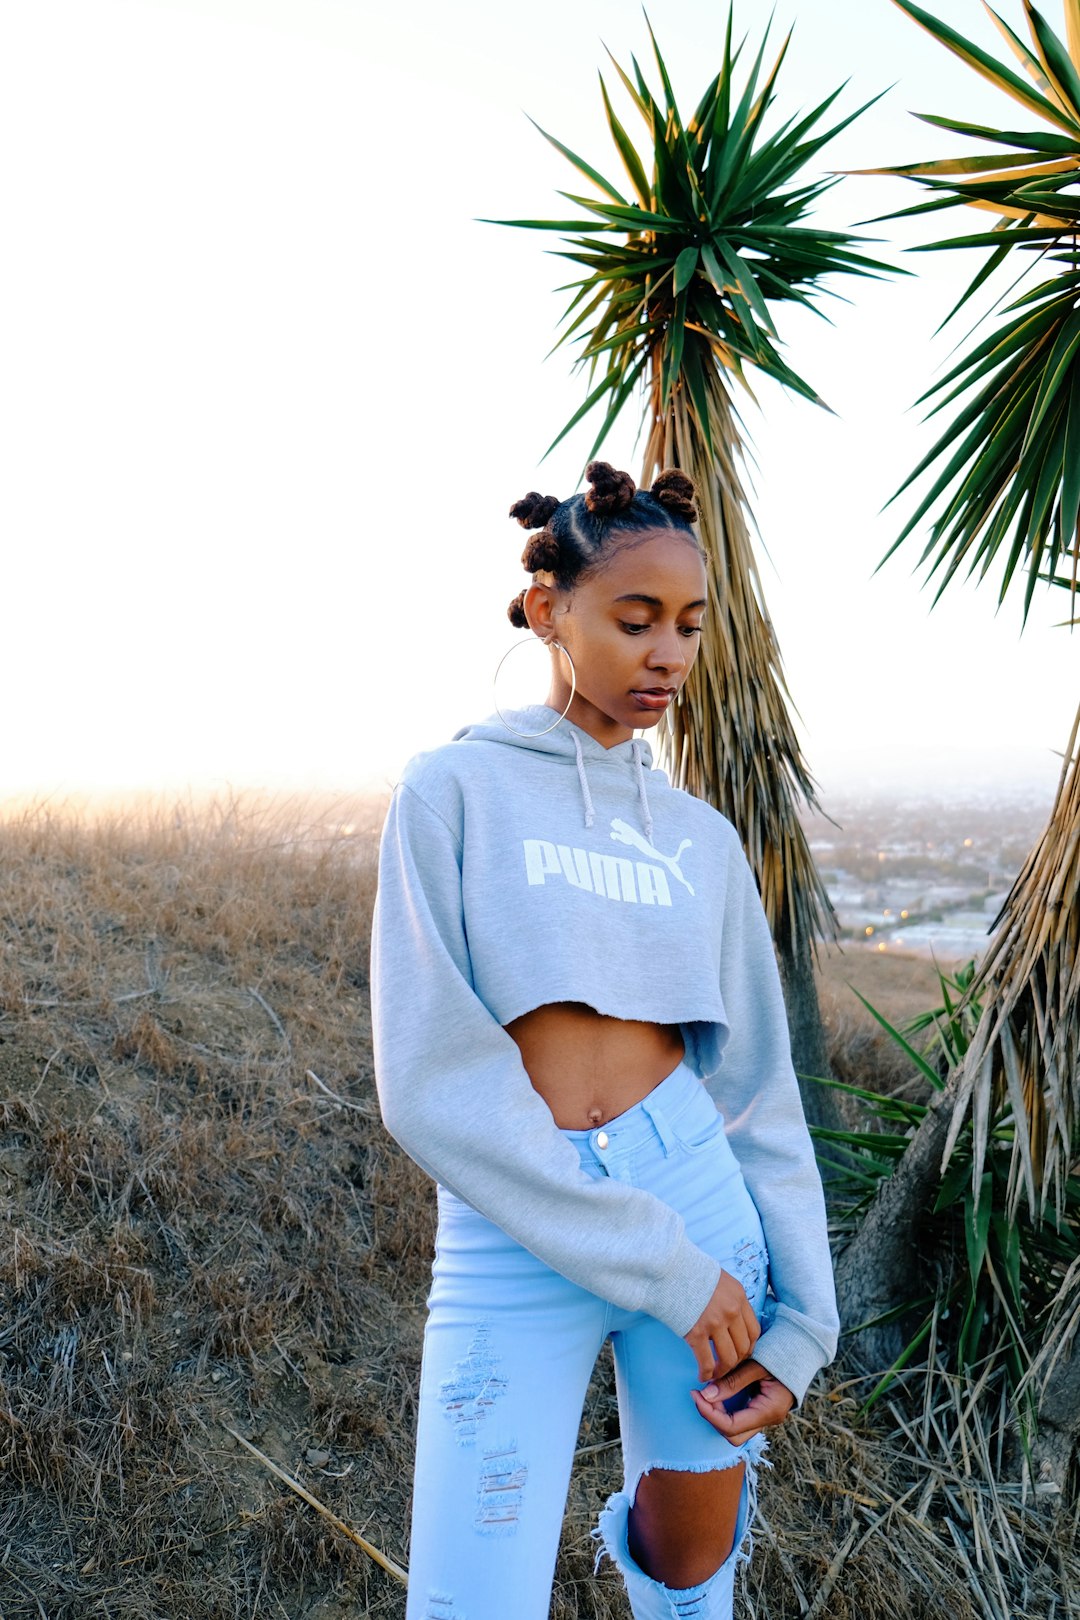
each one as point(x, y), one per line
point(313, 1501)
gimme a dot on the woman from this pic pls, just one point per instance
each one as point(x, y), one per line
point(580, 1034)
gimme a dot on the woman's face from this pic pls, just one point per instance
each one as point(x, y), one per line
point(632, 627)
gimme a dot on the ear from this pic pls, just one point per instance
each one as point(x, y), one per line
point(539, 605)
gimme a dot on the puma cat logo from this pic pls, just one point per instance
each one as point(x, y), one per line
point(623, 833)
point(612, 877)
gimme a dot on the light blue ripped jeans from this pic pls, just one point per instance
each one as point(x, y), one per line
point(509, 1349)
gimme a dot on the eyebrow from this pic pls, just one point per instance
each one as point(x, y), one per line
point(654, 601)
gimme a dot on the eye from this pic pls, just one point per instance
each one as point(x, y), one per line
point(631, 628)
point(690, 629)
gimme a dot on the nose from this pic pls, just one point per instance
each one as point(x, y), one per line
point(668, 651)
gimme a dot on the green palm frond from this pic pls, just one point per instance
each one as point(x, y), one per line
point(1006, 485)
point(711, 232)
point(683, 266)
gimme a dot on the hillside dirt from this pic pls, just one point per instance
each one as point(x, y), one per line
point(205, 1234)
point(900, 985)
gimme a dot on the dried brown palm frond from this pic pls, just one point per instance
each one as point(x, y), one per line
point(1026, 1046)
point(731, 739)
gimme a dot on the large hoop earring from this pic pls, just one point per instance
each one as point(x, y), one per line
point(573, 686)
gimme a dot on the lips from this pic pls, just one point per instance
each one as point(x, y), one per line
point(653, 697)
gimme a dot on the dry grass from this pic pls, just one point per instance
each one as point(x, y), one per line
point(198, 1237)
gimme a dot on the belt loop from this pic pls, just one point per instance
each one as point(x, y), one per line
point(663, 1129)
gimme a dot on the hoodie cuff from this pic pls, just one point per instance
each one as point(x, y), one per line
point(790, 1355)
point(679, 1298)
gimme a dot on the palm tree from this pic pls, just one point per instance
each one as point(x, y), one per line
point(679, 272)
point(1005, 495)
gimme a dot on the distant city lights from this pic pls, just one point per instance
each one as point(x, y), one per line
point(900, 892)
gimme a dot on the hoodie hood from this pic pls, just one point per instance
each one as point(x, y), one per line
point(631, 758)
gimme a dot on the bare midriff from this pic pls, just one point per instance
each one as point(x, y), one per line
point(588, 1067)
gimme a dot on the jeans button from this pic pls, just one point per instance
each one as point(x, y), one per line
point(602, 1139)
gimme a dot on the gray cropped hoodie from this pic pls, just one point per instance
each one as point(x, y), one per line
point(514, 872)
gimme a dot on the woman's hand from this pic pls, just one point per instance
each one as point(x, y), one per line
point(726, 1331)
point(760, 1401)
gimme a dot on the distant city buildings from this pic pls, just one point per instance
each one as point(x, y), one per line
point(923, 875)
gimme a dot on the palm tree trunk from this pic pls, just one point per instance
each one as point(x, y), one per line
point(880, 1268)
point(808, 1052)
point(1056, 1448)
point(731, 739)
point(1025, 1051)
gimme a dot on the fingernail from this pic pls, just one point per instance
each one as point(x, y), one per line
point(710, 1392)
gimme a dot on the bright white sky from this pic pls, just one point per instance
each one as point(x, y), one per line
point(268, 389)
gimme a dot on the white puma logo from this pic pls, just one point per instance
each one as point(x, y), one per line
point(623, 833)
point(612, 877)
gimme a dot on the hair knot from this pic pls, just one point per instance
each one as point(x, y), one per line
point(541, 551)
point(533, 511)
point(675, 490)
point(516, 612)
point(611, 491)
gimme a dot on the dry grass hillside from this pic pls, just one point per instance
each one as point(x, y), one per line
point(208, 1239)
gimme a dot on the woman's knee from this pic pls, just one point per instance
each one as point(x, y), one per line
point(682, 1525)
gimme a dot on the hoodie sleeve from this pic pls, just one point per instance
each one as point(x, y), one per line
point(456, 1096)
point(757, 1092)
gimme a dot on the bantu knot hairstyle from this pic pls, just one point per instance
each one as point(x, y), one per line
point(611, 492)
point(574, 535)
point(541, 551)
point(676, 492)
point(533, 510)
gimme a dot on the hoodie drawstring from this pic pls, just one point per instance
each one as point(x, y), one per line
point(646, 814)
point(584, 780)
point(590, 813)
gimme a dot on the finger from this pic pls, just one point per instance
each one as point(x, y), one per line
point(723, 1421)
point(745, 1372)
point(739, 1334)
point(743, 1391)
point(764, 1410)
point(777, 1395)
point(727, 1357)
point(749, 1421)
point(703, 1355)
